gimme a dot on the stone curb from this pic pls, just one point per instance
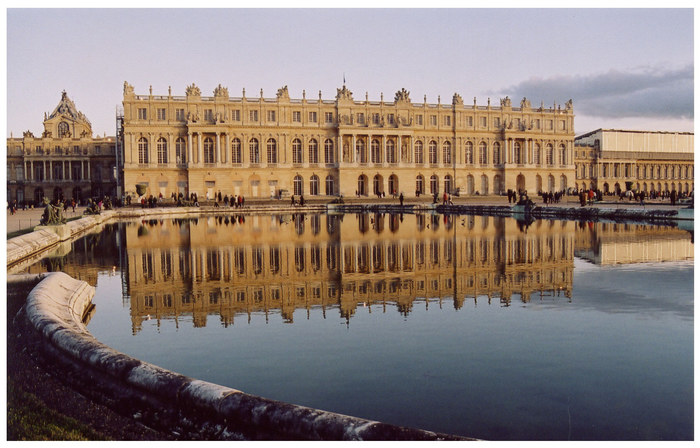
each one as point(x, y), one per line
point(191, 408)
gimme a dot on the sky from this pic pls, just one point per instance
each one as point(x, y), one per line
point(623, 68)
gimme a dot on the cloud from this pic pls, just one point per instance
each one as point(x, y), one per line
point(649, 92)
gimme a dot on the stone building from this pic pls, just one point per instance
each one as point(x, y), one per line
point(267, 147)
point(65, 162)
point(615, 161)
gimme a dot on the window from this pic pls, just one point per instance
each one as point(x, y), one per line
point(433, 120)
point(434, 187)
point(330, 185)
point(236, 154)
point(162, 148)
point(313, 117)
point(418, 151)
point(143, 150)
point(536, 153)
point(253, 115)
point(180, 114)
point(482, 122)
point(447, 119)
point(298, 185)
point(296, 116)
point(142, 114)
point(483, 154)
point(390, 118)
point(161, 114)
point(496, 153)
point(360, 118)
point(236, 115)
point(313, 185)
point(297, 153)
point(375, 154)
point(517, 153)
point(432, 152)
point(180, 151)
point(328, 151)
point(208, 114)
point(549, 125)
point(497, 122)
point(271, 116)
point(419, 185)
point(63, 129)
point(361, 151)
point(470, 121)
point(550, 155)
point(419, 120)
point(562, 155)
point(469, 153)
point(209, 150)
point(254, 148)
point(447, 153)
point(375, 119)
point(313, 151)
point(329, 117)
point(390, 151)
point(271, 151)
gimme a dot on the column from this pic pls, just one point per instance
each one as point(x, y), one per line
point(200, 149)
point(218, 148)
point(171, 150)
point(189, 148)
point(353, 157)
point(88, 170)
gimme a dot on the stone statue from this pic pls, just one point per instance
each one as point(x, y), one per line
point(343, 94)
point(570, 104)
point(402, 96)
point(193, 90)
point(92, 208)
point(128, 89)
point(283, 93)
point(53, 215)
point(457, 100)
point(221, 92)
point(505, 102)
point(525, 103)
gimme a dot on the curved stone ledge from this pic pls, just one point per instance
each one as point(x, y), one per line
point(191, 408)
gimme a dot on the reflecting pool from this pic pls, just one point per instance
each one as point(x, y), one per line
point(481, 326)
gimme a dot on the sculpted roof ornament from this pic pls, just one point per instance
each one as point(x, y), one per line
point(457, 100)
point(343, 94)
point(128, 89)
point(525, 104)
point(220, 92)
point(402, 95)
point(28, 134)
point(570, 105)
point(505, 102)
point(67, 109)
point(193, 90)
point(283, 93)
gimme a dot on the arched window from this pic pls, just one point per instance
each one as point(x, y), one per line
point(562, 154)
point(420, 187)
point(517, 153)
point(329, 153)
point(432, 152)
point(297, 152)
point(537, 156)
point(483, 154)
point(418, 151)
point(361, 151)
point(63, 130)
point(236, 154)
point(313, 151)
point(375, 154)
point(209, 150)
point(180, 151)
point(298, 185)
point(313, 185)
point(448, 184)
point(496, 153)
point(162, 147)
point(143, 150)
point(469, 153)
point(550, 155)
point(434, 186)
point(254, 147)
point(272, 151)
point(447, 153)
point(390, 151)
point(330, 185)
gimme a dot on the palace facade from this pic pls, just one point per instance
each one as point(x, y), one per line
point(65, 162)
point(615, 161)
point(272, 147)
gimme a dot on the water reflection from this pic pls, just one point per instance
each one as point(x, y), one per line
point(235, 266)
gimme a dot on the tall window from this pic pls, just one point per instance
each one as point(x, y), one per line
point(298, 185)
point(209, 150)
point(447, 153)
point(483, 153)
point(469, 153)
point(271, 151)
point(562, 154)
point(434, 186)
point(496, 153)
point(550, 155)
point(236, 154)
point(313, 151)
point(448, 183)
point(518, 153)
point(297, 152)
point(180, 151)
point(162, 148)
point(143, 150)
point(328, 151)
point(418, 151)
point(254, 147)
point(313, 185)
point(330, 185)
point(390, 151)
point(361, 151)
point(537, 156)
point(419, 184)
point(296, 116)
point(374, 151)
point(432, 152)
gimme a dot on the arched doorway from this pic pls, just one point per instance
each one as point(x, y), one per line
point(484, 184)
point(497, 185)
point(550, 184)
point(394, 184)
point(420, 185)
point(362, 185)
point(520, 182)
point(470, 184)
point(378, 185)
point(538, 183)
point(38, 196)
point(562, 183)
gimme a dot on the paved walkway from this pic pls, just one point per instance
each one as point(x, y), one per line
point(25, 219)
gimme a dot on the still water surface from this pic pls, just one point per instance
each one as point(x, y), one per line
point(478, 326)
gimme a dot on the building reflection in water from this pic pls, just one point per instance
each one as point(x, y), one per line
point(235, 266)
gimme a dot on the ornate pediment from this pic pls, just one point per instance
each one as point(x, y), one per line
point(402, 95)
point(343, 94)
point(193, 90)
point(220, 91)
point(283, 93)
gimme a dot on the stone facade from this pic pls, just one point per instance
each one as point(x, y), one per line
point(262, 147)
point(613, 160)
point(65, 162)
